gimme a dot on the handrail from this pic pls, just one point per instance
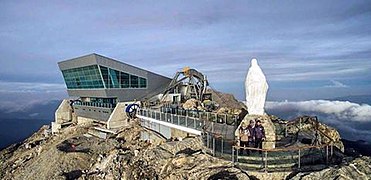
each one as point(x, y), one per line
point(282, 149)
point(298, 149)
point(312, 121)
point(208, 115)
point(187, 115)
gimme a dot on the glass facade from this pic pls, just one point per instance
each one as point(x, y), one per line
point(87, 77)
point(90, 77)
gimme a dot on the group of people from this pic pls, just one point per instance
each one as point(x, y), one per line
point(251, 135)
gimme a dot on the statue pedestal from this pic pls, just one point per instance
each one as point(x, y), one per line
point(270, 130)
point(269, 145)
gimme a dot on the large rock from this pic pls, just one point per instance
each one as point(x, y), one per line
point(327, 134)
point(191, 104)
point(182, 160)
point(359, 168)
point(226, 100)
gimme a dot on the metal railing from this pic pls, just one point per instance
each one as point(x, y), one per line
point(185, 121)
point(283, 158)
point(94, 104)
point(206, 116)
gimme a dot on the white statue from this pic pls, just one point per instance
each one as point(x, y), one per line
point(256, 89)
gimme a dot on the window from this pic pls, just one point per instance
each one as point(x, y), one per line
point(115, 76)
point(124, 80)
point(83, 78)
point(90, 77)
point(106, 77)
point(134, 83)
point(142, 82)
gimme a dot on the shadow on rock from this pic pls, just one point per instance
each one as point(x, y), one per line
point(75, 174)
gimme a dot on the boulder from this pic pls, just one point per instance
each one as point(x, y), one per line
point(191, 104)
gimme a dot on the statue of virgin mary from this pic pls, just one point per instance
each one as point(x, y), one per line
point(256, 87)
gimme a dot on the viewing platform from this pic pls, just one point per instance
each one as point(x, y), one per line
point(217, 131)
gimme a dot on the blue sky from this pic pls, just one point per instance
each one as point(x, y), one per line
point(307, 49)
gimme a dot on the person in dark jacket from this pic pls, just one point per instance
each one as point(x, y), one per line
point(259, 135)
point(251, 139)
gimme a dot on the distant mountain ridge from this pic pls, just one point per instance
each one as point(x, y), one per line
point(359, 99)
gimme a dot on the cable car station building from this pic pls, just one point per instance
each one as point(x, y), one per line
point(99, 85)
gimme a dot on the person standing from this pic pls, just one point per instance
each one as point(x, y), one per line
point(251, 128)
point(259, 135)
point(244, 137)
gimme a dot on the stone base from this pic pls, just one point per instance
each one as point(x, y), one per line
point(175, 133)
point(56, 127)
point(270, 130)
point(269, 145)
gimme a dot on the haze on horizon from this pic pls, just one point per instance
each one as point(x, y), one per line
point(308, 50)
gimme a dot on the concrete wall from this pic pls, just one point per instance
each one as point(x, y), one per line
point(118, 117)
point(64, 112)
point(165, 131)
point(85, 121)
point(98, 113)
point(161, 129)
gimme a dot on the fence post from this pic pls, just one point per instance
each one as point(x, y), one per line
point(213, 146)
point(265, 161)
point(178, 120)
point(207, 140)
point(326, 154)
point(233, 155)
point(332, 150)
point(299, 160)
point(212, 132)
point(222, 144)
point(238, 148)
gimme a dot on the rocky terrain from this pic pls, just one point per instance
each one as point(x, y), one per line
point(358, 168)
point(73, 154)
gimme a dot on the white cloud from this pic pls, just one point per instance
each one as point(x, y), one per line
point(336, 84)
point(25, 87)
point(34, 114)
point(19, 96)
point(343, 110)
